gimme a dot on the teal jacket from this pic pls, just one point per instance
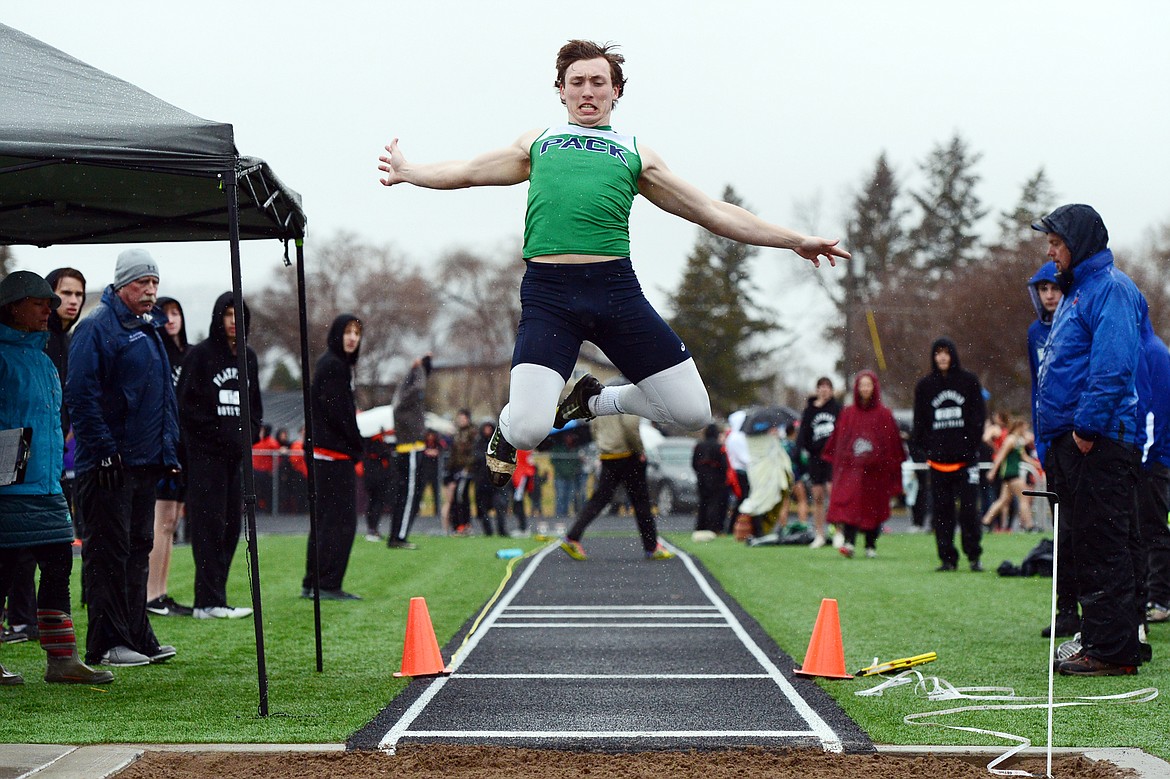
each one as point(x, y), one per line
point(33, 512)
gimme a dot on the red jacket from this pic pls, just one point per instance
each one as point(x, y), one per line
point(866, 452)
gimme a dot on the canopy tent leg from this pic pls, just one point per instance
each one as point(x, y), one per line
point(311, 467)
point(246, 436)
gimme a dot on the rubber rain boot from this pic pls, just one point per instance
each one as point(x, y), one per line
point(59, 641)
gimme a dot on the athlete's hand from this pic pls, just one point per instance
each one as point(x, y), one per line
point(812, 247)
point(392, 162)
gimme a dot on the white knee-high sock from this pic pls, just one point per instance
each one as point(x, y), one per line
point(532, 402)
point(676, 395)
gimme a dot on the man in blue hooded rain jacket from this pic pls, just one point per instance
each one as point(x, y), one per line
point(1087, 414)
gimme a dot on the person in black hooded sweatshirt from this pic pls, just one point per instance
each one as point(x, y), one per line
point(949, 413)
point(337, 446)
point(209, 415)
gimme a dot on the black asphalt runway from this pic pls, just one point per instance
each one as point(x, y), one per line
point(616, 654)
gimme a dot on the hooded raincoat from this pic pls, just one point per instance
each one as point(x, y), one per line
point(866, 453)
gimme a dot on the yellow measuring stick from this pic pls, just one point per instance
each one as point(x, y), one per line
point(897, 665)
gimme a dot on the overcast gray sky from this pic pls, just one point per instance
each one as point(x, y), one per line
point(789, 102)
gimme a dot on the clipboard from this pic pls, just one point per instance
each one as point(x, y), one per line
point(15, 447)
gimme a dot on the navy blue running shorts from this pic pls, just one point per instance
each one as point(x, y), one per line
point(602, 302)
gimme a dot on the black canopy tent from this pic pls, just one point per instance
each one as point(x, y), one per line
point(89, 158)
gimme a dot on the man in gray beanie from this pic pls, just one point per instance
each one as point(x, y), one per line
point(125, 420)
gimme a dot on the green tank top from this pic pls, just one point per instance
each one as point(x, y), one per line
point(1010, 468)
point(581, 186)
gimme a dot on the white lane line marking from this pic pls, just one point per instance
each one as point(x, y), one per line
point(592, 734)
point(696, 607)
point(461, 677)
point(586, 615)
point(391, 738)
point(718, 625)
point(830, 741)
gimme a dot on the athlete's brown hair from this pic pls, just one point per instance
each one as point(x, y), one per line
point(577, 50)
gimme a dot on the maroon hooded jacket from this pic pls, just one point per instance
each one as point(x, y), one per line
point(866, 452)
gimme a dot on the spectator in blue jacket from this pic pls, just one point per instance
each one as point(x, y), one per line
point(1154, 481)
point(1046, 295)
point(125, 420)
point(34, 516)
point(1087, 414)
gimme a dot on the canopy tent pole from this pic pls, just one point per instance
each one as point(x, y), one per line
point(311, 468)
point(246, 434)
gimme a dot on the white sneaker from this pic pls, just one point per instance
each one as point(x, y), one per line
point(838, 539)
point(817, 542)
point(124, 657)
point(871, 553)
point(222, 612)
point(373, 537)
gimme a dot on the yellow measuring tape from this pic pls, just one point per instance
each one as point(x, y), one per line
point(896, 665)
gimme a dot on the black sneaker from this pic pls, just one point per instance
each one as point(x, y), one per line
point(946, 567)
point(976, 566)
point(501, 459)
point(576, 403)
point(165, 606)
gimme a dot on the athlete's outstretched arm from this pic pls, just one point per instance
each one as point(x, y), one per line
point(671, 193)
point(502, 167)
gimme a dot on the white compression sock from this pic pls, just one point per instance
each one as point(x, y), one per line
point(676, 395)
point(532, 402)
point(606, 404)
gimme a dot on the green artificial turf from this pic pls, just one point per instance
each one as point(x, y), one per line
point(984, 628)
point(210, 692)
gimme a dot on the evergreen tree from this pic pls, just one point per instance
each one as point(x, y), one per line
point(282, 378)
point(1036, 200)
point(945, 240)
point(877, 242)
point(718, 318)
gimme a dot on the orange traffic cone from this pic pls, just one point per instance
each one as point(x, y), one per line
point(420, 652)
point(825, 655)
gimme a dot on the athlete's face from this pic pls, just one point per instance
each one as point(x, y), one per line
point(72, 294)
point(588, 92)
point(1058, 252)
point(351, 339)
point(175, 319)
point(942, 358)
point(865, 389)
point(31, 315)
point(1050, 295)
point(229, 323)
